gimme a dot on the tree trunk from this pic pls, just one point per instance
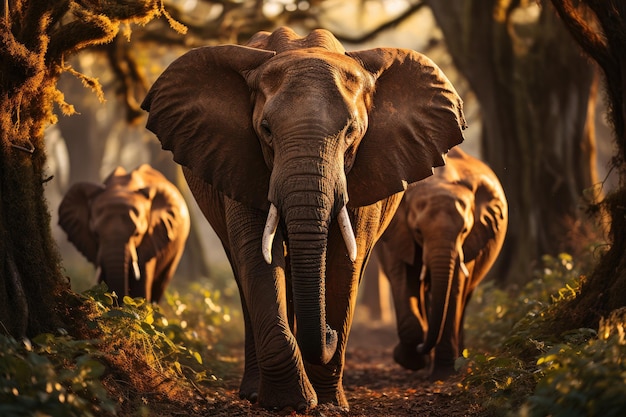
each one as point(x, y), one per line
point(30, 277)
point(605, 289)
point(533, 86)
point(33, 50)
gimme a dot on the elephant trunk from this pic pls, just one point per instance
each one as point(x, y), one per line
point(307, 200)
point(441, 261)
point(317, 341)
point(308, 188)
point(118, 264)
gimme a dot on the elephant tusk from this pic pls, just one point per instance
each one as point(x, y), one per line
point(136, 270)
point(135, 264)
point(99, 274)
point(464, 269)
point(269, 232)
point(423, 273)
point(347, 233)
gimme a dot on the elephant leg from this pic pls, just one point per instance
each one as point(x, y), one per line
point(282, 378)
point(342, 278)
point(468, 297)
point(162, 277)
point(342, 281)
point(213, 205)
point(476, 275)
point(405, 289)
point(249, 387)
point(447, 350)
point(141, 288)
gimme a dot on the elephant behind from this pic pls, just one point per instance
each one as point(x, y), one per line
point(133, 228)
point(442, 241)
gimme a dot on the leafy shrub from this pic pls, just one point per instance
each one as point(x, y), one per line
point(530, 370)
point(186, 341)
point(205, 314)
point(507, 335)
point(585, 377)
point(180, 342)
point(493, 313)
point(52, 375)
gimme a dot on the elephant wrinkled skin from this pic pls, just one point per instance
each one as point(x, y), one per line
point(298, 153)
point(133, 228)
point(442, 241)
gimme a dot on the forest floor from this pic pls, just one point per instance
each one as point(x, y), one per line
point(375, 386)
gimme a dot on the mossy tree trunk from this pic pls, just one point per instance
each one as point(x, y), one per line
point(36, 37)
point(599, 27)
point(537, 100)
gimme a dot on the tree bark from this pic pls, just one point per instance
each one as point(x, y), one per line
point(536, 100)
point(605, 41)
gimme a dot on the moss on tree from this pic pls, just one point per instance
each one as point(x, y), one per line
point(36, 37)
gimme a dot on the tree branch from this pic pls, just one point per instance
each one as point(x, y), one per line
point(381, 28)
point(592, 43)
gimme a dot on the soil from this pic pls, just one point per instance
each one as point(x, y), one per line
point(375, 385)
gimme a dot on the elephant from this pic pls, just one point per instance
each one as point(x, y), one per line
point(133, 228)
point(298, 153)
point(442, 241)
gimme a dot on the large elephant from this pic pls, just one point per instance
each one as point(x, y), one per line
point(298, 153)
point(133, 228)
point(442, 241)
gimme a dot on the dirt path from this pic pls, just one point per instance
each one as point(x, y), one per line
point(374, 384)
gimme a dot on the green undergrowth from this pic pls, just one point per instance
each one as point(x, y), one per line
point(51, 375)
point(187, 339)
point(521, 368)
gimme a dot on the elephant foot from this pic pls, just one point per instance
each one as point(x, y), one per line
point(249, 388)
point(326, 380)
point(442, 371)
point(407, 357)
point(297, 396)
point(334, 398)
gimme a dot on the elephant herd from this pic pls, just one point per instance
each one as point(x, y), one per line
point(302, 155)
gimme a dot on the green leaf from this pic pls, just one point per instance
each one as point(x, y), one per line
point(148, 328)
point(120, 313)
point(129, 301)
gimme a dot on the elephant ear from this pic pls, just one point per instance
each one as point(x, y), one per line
point(74, 218)
point(416, 117)
point(200, 109)
point(168, 220)
point(490, 217)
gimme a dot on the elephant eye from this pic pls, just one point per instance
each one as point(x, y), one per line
point(265, 127)
point(350, 132)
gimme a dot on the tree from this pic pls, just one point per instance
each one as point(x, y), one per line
point(599, 27)
point(537, 104)
point(38, 36)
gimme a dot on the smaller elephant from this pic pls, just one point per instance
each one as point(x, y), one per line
point(442, 241)
point(133, 228)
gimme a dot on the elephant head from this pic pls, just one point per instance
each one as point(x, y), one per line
point(123, 224)
point(299, 128)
